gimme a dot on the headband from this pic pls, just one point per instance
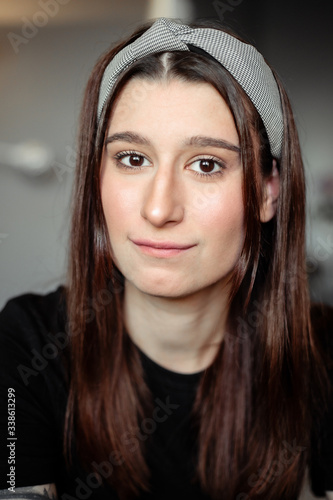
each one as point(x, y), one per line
point(241, 60)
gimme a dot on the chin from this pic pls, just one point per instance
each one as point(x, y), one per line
point(165, 288)
point(165, 291)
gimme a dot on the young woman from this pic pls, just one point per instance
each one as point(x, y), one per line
point(179, 359)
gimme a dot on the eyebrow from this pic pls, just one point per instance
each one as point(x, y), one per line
point(128, 137)
point(203, 141)
point(198, 140)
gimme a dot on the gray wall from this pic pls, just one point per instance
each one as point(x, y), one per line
point(41, 90)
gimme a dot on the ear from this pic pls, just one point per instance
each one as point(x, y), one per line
point(271, 194)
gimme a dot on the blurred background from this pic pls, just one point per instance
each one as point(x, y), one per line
point(47, 50)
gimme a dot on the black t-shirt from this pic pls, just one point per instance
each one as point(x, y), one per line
point(32, 346)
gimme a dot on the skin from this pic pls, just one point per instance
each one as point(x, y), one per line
point(175, 301)
point(40, 492)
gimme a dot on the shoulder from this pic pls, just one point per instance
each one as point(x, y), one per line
point(322, 316)
point(321, 463)
point(33, 338)
point(29, 320)
point(322, 324)
point(33, 377)
point(32, 310)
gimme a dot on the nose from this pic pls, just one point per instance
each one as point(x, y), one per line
point(163, 200)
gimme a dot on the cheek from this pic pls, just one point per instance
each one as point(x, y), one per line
point(222, 218)
point(118, 204)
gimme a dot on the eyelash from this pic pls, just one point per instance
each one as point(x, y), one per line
point(122, 154)
point(217, 161)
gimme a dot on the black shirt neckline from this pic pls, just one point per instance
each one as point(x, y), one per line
point(172, 379)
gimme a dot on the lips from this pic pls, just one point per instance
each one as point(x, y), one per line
point(161, 248)
point(161, 244)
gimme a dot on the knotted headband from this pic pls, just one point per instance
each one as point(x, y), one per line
point(242, 60)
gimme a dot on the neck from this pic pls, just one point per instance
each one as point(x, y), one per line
point(181, 334)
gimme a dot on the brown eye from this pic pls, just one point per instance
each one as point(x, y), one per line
point(207, 166)
point(136, 160)
point(131, 159)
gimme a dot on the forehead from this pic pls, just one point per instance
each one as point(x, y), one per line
point(172, 107)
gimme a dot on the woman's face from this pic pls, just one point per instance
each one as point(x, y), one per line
point(171, 187)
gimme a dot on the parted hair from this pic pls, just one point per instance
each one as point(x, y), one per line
point(256, 399)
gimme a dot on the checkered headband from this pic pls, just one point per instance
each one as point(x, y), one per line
point(241, 60)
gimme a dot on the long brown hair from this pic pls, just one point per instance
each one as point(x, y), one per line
point(253, 410)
